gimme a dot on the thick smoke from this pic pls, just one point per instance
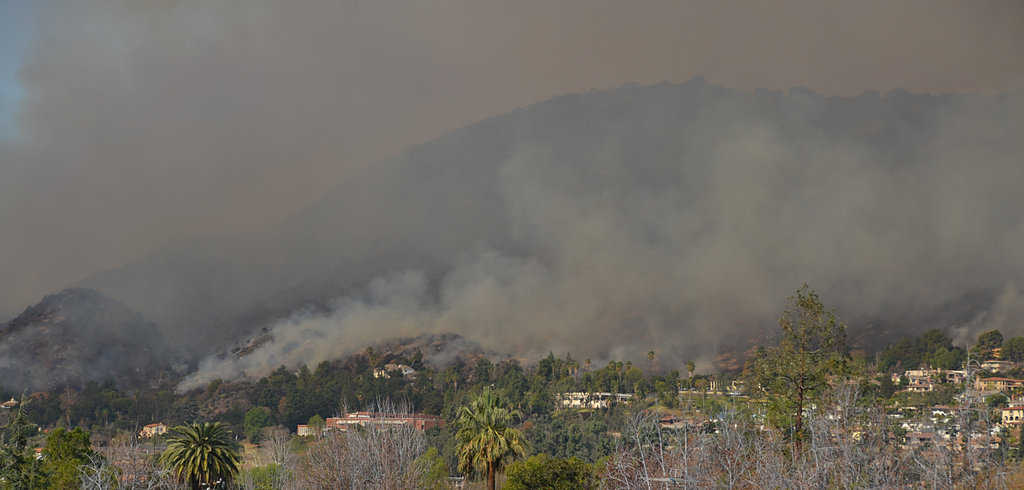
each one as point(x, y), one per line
point(144, 125)
point(622, 249)
point(148, 123)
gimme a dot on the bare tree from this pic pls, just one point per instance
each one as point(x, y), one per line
point(378, 455)
point(127, 464)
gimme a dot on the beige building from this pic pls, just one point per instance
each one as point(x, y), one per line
point(997, 384)
point(1013, 415)
point(153, 430)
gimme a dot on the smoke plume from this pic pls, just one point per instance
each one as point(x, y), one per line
point(678, 218)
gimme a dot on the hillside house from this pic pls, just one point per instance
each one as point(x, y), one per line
point(997, 384)
point(385, 372)
point(152, 430)
point(591, 400)
point(9, 404)
point(921, 377)
point(1012, 416)
point(994, 366)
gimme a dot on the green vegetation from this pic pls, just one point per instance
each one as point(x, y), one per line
point(795, 373)
point(499, 412)
point(486, 440)
point(544, 472)
point(66, 451)
point(202, 454)
point(932, 348)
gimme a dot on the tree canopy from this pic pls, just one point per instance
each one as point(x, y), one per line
point(486, 441)
point(797, 371)
point(201, 454)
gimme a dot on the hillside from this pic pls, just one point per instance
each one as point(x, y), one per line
point(673, 215)
point(77, 336)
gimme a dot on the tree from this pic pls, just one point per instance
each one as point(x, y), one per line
point(19, 467)
point(948, 358)
point(794, 374)
point(316, 424)
point(543, 471)
point(65, 452)
point(690, 366)
point(485, 440)
point(432, 470)
point(372, 456)
point(201, 454)
point(255, 420)
point(1013, 350)
point(987, 342)
point(125, 465)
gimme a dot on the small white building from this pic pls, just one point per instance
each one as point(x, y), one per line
point(581, 399)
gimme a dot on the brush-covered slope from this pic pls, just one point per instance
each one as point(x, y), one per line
point(79, 335)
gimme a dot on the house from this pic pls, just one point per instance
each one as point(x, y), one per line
point(997, 384)
point(920, 377)
point(997, 366)
point(9, 404)
point(920, 386)
point(418, 421)
point(1012, 416)
point(591, 400)
point(304, 430)
point(915, 439)
point(153, 430)
point(384, 372)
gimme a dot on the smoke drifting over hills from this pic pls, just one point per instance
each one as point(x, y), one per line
point(679, 217)
point(148, 123)
point(209, 164)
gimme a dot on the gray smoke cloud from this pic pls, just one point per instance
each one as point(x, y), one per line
point(148, 123)
point(622, 249)
point(148, 127)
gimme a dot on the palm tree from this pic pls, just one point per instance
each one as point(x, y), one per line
point(690, 366)
point(485, 440)
point(201, 454)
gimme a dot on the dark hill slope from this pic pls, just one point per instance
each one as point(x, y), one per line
point(685, 212)
point(77, 336)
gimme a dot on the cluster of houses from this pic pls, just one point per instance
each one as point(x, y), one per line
point(940, 424)
point(377, 419)
point(922, 380)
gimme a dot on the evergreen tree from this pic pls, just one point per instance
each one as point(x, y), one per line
point(795, 373)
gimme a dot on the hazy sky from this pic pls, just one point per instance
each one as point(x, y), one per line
point(127, 125)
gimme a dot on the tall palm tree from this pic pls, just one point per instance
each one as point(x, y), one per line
point(485, 439)
point(201, 454)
